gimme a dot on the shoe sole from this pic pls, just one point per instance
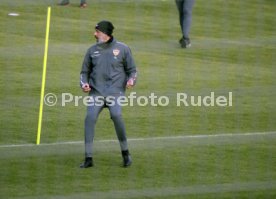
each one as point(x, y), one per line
point(189, 46)
point(83, 167)
point(83, 6)
point(128, 164)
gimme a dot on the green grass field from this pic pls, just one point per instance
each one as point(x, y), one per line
point(178, 151)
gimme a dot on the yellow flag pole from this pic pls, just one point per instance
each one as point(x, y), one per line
point(43, 77)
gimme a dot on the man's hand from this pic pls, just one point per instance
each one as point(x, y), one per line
point(86, 88)
point(130, 83)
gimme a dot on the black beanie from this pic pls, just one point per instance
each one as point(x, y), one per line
point(105, 27)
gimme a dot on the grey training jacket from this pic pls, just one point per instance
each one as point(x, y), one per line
point(107, 67)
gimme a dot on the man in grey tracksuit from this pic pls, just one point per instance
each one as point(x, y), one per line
point(108, 69)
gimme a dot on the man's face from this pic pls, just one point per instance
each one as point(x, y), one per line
point(100, 36)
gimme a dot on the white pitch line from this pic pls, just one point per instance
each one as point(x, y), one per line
point(149, 139)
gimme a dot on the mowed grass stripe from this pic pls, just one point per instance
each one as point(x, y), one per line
point(138, 144)
point(185, 137)
point(166, 192)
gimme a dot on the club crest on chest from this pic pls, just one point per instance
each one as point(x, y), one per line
point(116, 52)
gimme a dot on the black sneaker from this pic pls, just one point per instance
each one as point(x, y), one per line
point(127, 161)
point(87, 163)
point(185, 42)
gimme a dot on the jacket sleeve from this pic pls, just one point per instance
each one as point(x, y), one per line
point(130, 67)
point(86, 69)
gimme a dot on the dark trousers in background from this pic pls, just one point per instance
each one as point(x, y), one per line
point(185, 15)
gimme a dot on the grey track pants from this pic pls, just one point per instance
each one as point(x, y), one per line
point(93, 111)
